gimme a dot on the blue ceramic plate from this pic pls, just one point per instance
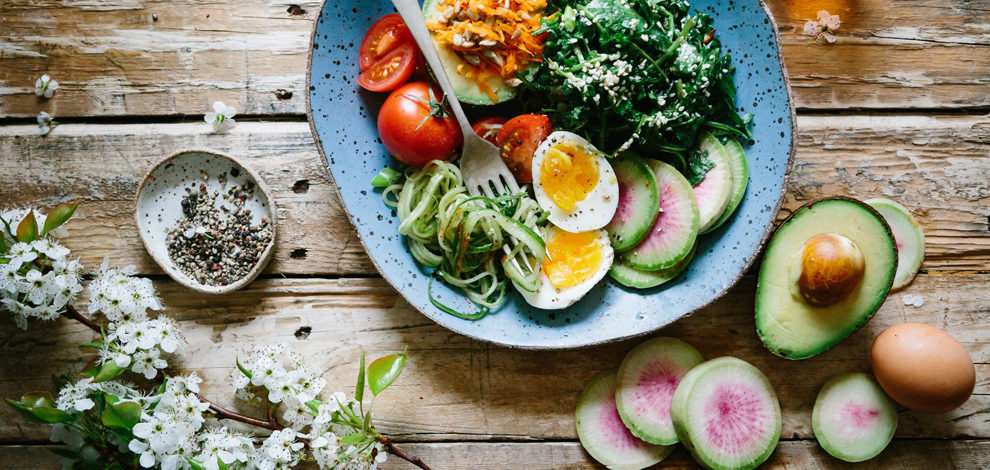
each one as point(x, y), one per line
point(343, 117)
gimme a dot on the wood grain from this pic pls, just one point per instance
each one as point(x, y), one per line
point(154, 57)
point(456, 388)
point(935, 165)
point(789, 455)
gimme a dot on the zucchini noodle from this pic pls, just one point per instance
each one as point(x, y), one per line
point(467, 239)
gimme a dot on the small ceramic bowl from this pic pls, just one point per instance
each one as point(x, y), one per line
point(158, 208)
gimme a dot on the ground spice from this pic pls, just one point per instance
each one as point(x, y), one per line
point(215, 243)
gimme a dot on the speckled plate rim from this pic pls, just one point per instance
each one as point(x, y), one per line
point(746, 265)
point(265, 255)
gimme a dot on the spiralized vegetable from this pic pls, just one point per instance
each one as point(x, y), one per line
point(466, 238)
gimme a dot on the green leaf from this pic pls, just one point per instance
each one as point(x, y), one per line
point(242, 368)
point(108, 371)
point(698, 165)
point(40, 408)
point(367, 421)
point(58, 216)
point(353, 439)
point(27, 230)
point(122, 415)
point(196, 465)
point(4, 245)
point(359, 389)
point(384, 370)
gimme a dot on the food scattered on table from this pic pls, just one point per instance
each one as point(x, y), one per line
point(908, 235)
point(647, 378)
point(725, 412)
point(853, 418)
point(632, 127)
point(923, 367)
point(216, 243)
point(816, 288)
point(602, 433)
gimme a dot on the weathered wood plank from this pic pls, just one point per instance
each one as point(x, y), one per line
point(157, 57)
point(935, 165)
point(793, 455)
point(456, 388)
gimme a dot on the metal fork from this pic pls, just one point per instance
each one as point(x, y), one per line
point(484, 172)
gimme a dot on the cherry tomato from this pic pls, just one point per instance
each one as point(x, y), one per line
point(517, 141)
point(415, 128)
point(488, 127)
point(382, 37)
point(390, 71)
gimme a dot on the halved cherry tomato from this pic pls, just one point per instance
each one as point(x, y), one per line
point(383, 36)
point(488, 127)
point(517, 141)
point(416, 127)
point(390, 71)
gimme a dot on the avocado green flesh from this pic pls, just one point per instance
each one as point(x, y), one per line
point(791, 327)
point(466, 89)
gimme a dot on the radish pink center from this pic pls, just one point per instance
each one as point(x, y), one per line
point(615, 430)
point(858, 414)
point(735, 418)
point(655, 389)
point(624, 211)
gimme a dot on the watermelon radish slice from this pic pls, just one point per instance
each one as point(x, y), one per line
point(713, 192)
point(648, 376)
point(632, 277)
point(740, 179)
point(602, 433)
point(639, 202)
point(726, 413)
point(908, 237)
point(853, 419)
point(676, 228)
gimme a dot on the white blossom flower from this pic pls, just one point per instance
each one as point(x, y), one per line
point(45, 86)
point(148, 363)
point(823, 27)
point(220, 445)
point(281, 450)
point(46, 122)
point(222, 117)
point(76, 396)
point(50, 248)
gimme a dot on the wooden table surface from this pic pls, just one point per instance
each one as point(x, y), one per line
point(896, 108)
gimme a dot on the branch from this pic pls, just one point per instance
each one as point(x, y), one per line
point(220, 412)
point(392, 449)
point(71, 312)
point(270, 423)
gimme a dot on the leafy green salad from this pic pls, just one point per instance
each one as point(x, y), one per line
point(635, 74)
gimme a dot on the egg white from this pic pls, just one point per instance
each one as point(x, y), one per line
point(549, 297)
point(597, 209)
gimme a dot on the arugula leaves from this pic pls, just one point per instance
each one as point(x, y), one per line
point(639, 74)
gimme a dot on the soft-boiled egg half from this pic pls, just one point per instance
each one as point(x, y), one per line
point(575, 262)
point(574, 182)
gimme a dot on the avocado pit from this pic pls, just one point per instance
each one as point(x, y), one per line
point(831, 268)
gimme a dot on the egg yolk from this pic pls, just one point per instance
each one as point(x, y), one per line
point(573, 258)
point(568, 173)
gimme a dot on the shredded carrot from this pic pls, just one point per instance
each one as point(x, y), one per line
point(504, 26)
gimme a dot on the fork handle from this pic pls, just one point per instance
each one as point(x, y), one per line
point(412, 15)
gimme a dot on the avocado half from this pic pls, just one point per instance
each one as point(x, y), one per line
point(466, 89)
point(788, 323)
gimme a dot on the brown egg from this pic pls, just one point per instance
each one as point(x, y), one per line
point(923, 367)
point(831, 268)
